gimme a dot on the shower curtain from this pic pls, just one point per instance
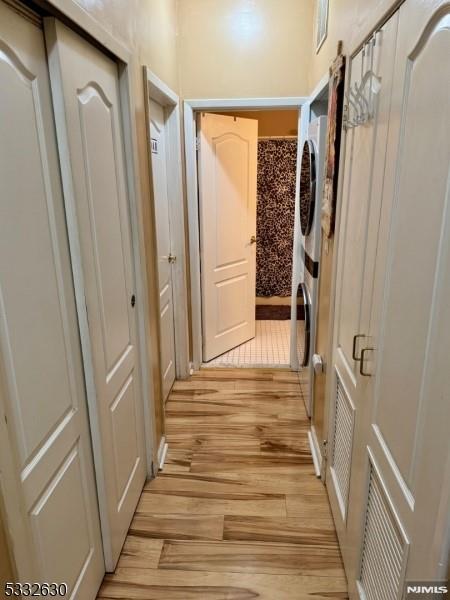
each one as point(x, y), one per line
point(277, 158)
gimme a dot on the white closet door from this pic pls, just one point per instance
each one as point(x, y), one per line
point(407, 407)
point(42, 388)
point(364, 166)
point(164, 244)
point(227, 183)
point(88, 119)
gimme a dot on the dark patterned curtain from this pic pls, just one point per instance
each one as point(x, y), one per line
point(275, 216)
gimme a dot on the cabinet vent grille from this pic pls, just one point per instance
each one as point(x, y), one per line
point(342, 444)
point(383, 548)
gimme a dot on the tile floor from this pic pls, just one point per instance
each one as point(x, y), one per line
point(269, 348)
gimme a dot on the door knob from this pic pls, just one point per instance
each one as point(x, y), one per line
point(171, 258)
point(253, 239)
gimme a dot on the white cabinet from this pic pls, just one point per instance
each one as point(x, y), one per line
point(389, 459)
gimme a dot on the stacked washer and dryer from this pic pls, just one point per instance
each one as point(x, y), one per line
point(311, 185)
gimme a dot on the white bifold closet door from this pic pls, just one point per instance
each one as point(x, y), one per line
point(85, 87)
point(227, 184)
point(389, 472)
point(364, 168)
point(404, 429)
point(48, 487)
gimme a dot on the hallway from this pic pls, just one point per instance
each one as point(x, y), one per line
point(237, 512)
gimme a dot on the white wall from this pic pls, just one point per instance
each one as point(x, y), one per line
point(244, 48)
point(349, 21)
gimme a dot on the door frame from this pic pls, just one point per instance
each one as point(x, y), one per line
point(161, 93)
point(190, 109)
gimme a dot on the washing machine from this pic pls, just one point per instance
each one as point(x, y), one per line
point(311, 185)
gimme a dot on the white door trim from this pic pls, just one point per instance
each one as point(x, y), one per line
point(75, 14)
point(328, 418)
point(190, 149)
point(163, 95)
point(320, 87)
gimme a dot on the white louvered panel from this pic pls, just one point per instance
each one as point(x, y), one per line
point(342, 444)
point(383, 549)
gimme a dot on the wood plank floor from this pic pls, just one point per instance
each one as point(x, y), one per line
point(237, 513)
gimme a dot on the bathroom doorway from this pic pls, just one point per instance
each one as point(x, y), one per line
point(275, 212)
point(269, 344)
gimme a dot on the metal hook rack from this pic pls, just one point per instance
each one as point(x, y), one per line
point(361, 98)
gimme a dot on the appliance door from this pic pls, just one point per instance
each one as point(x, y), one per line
point(307, 187)
point(303, 327)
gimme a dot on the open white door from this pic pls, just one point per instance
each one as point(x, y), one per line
point(227, 188)
point(85, 88)
point(164, 244)
point(46, 466)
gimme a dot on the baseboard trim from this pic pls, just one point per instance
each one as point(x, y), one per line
point(315, 451)
point(162, 452)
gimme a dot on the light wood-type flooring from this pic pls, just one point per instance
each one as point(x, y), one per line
point(237, 513)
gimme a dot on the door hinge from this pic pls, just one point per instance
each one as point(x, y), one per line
point(325, 449)
point(197, 143)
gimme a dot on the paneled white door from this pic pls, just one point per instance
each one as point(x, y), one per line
point(164, 244)
point(364, 167)
point(227, 184)
point(42, 393)
point(85, 89)
point(403, 433)
point(390, 451)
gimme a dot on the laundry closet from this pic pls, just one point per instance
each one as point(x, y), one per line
point(389, 378)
